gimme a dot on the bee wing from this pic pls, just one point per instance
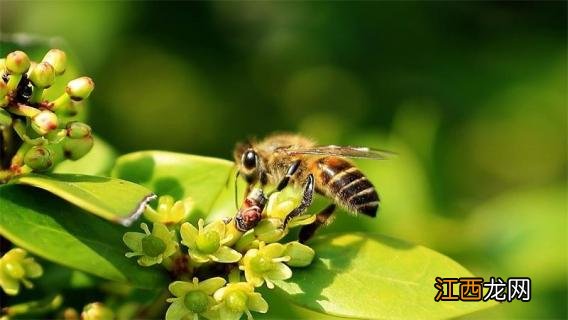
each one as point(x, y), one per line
point(344, 151)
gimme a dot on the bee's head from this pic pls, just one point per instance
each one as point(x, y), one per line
point(249, 163)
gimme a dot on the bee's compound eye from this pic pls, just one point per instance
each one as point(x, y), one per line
point(249, 159)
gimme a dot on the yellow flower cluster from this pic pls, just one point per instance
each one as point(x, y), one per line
point(248, 260)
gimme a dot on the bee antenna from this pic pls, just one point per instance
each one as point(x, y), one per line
point(237, 189)
point(235, 167)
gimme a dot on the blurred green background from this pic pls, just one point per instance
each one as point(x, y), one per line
point(471, 95)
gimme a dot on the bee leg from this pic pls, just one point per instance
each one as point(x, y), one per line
point(322, 219)
point(304, 204)
point(291, 170)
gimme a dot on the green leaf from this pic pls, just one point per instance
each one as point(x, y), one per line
point(178, 175)
point(280, 307)
point(521, 233)
point(375, 277)
point(51, 228)
point(98, 162)
point(112, 199)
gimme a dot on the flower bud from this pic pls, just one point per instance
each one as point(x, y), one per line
point(56, 150)
point(42, 75)
point(44, 122)
point(2, 66)
point(75, 149)
point(70, 314)
point(80, 88)
point(33, 64)
point(39, 158)
point(269, 230)
point(56, 58)
point(96, 311)
point(78, 130)
point(17, 62)
point(300, 254)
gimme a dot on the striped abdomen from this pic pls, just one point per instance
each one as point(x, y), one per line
point(340, 180)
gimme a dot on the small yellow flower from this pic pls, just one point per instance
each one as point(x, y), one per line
point(193, 299)
point(208, 243)
point(16, 268)
point(266, 264)
point(168, 211)
point(238, 298)
point(152, 247)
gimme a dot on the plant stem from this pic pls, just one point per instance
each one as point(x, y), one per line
point(5, 118)
point(13, 81)
point(61, 103)
point(20, 129)
point(25, 169)
point(18, 158)
point(37, 94)
point(35, 307)
point(5, 176)
point(4, 146)
point(7, 146)
point(235, 275)
point(23, 110)
point(4, 101)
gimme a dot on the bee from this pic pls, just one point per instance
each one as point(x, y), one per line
point(288, 158)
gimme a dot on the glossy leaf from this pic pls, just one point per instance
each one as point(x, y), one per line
point(280, 307)
point(51, 228)
point(375, 277)
point(225, 205)
point(178, 175)
point(112, 199)
point(506, 233)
